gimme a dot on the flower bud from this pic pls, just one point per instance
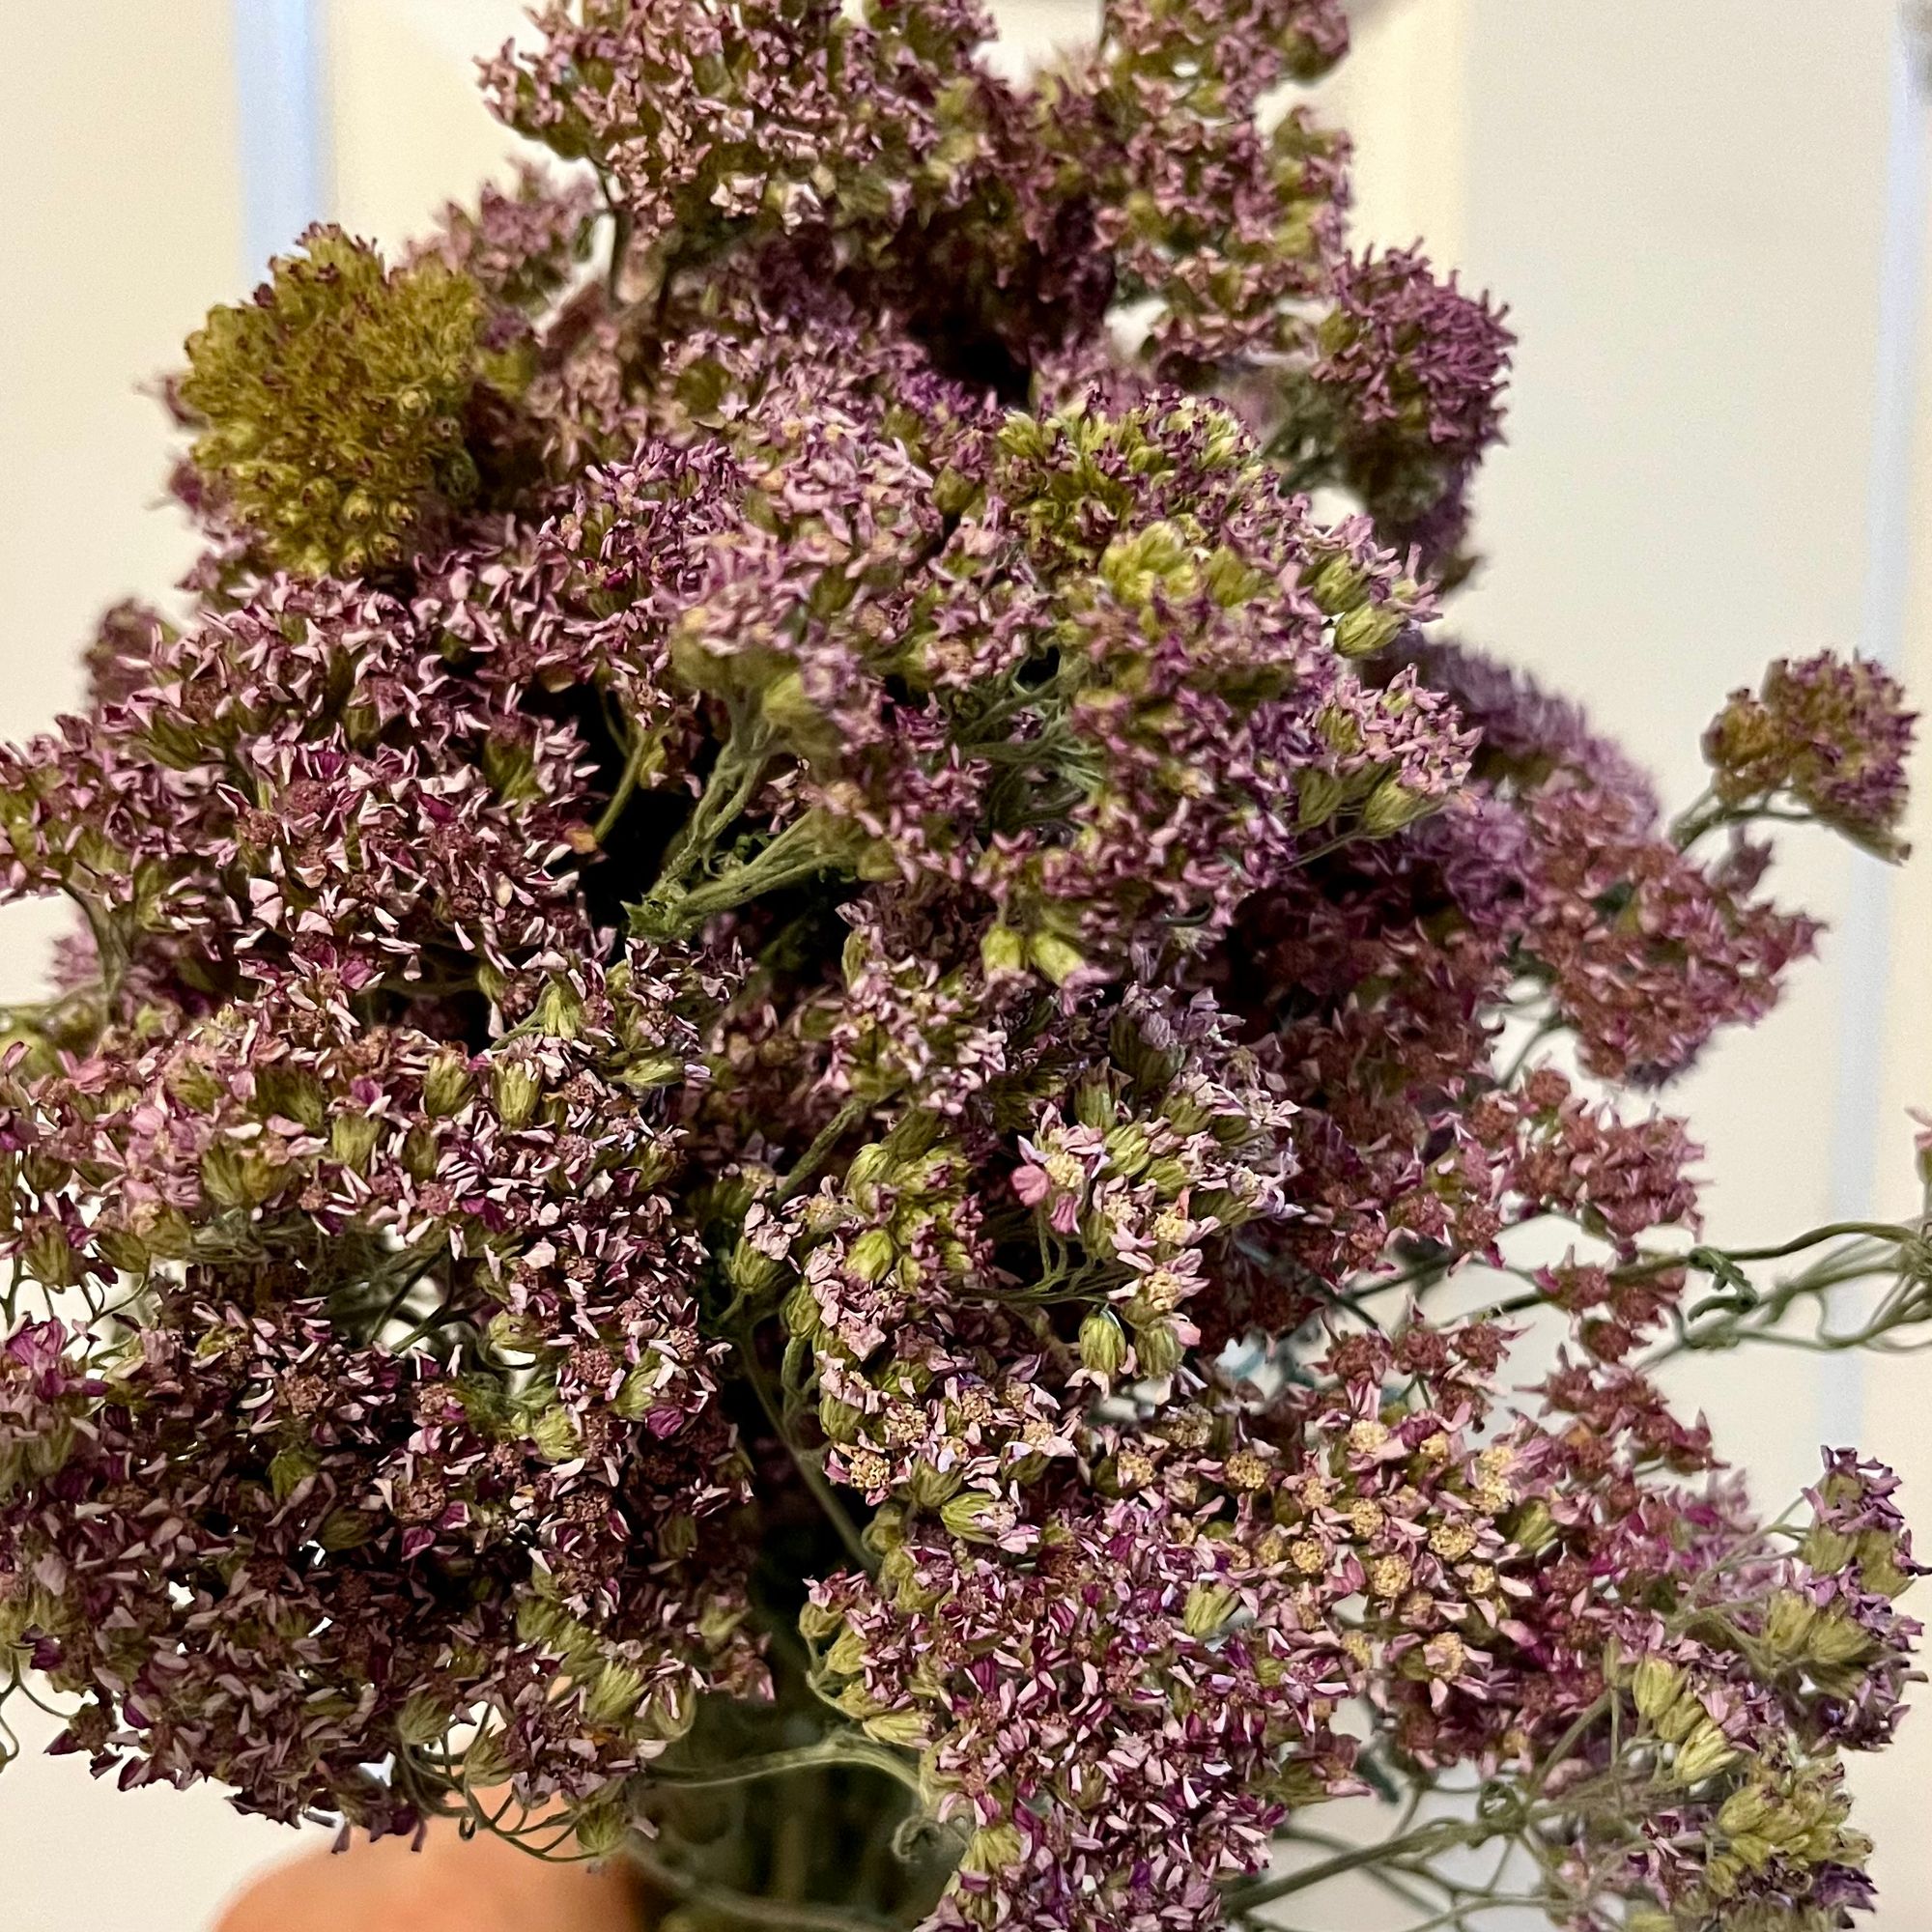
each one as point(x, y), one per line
point(871, 1165)
point(992, 1848)
point(930, 1487)
point(904, 1729)
point(1208, 1606)
point(560, 1010)
point(515, 1090)
point(1391, 805)
point(1655, 1685)
point(423, 1721)
point(974, 1516)
point(817, 1621)
point(1058, 958)
point(613, 1697)
point(1317, 797)
point(553, 1434)
point(750, 1269)
point(799, 1312)
point(1339, 587)
point(485, 1762)
point(1367, 628)
point(839, 1420)
point(1787, 1625)
point(446, 1085)
point(1002, 952)
point(847, 1656)
point(289, 1469)
point(1103, 1344)
point(1158, 1347)
point(872, 1255)
point(1532, 1528)
point(601, 1830)
point(791, 715)
point(1704, 1753)
point(1744, 1810)
point(638, 1391)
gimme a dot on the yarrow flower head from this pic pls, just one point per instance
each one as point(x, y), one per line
point(806, 1038)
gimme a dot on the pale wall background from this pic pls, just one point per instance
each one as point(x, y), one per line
point(1685, 206)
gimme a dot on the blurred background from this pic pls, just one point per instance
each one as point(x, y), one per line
point(1710, 224)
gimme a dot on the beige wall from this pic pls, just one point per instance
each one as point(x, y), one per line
point(119, 227)
point(1682, 206)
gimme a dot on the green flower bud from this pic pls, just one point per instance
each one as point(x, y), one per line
point(1103, 1344)
point(553, 1434)
point(1158, 1348)
point(1675, 1722)
point(1655, 1685)
point(1532, 1528)
point(1391, 805)
point(125, 1251)
point(346, 1529)
point(1003, 952)
point(1367, 628)
point(1056, 957)
point(602, 1829)
point(817, 1621)
point(1338, 587)
point(974, 1516)
point(1787, 1625)
point(638, 1391)
point(613, 1697)
point(904, 1729)
point(799, 1312)
point(931, 1486)
point(839, 1420)
point(1317, 797)
point(560, 1010)
point(1744, 1810)
point(751, 1270)
point(485, 1762)
point(49, 1256)
point(423, 1721)
point(1837, 1641)
point(515, 1090)
point(792, 717)
point(992, 1848)
point(847, 1656)
point(288, 1469)
point(1704, 1753)
point(509, 1334)
point(448, 1084)
point(872, 1255)
point(1207, 1608)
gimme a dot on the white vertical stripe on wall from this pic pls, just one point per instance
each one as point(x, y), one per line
point(282, 114)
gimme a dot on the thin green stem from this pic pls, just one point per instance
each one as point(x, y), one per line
point(627, 785)
point(819, 1152)
point(808, 1468)
point(1438, 1836)
point(836, 1750)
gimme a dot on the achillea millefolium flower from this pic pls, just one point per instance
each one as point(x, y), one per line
point(809, 1033)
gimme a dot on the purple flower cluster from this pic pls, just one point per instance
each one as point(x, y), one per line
point(819, 1058)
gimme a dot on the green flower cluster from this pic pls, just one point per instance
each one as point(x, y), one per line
point(332, 407)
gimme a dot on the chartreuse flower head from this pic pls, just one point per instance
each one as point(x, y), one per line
point(331, 408)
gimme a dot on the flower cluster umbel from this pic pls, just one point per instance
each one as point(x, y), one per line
point(796, 1008)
